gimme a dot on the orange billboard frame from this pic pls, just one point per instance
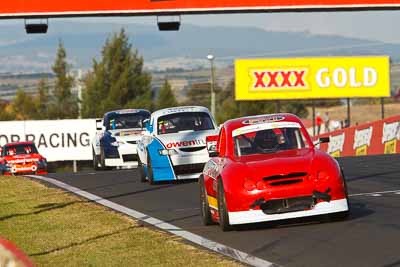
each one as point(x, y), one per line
point(78, 8)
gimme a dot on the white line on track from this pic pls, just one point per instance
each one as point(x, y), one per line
point(199, 240)
point(376, 194)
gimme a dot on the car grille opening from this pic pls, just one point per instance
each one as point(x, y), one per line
point(188, 168)
point(277, 206)
point(192, 149)
point(286, 182)
point(285, 179)
point(130, 157)
point(132, 142)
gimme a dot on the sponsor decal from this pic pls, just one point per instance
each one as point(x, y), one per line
point(335, 145)
point(278, 79)
point(128, 133)
point(362, 140)
point(211, 169)
point(315, 78)
point(181, 109)
point(341, 77)
point(197, 142)
point(390, 136)
point(264, 120)
point(23, 168)
point(264, 126)
point(127, 111)
point(22, 161)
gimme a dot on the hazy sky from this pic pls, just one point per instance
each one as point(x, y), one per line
point(373, 25)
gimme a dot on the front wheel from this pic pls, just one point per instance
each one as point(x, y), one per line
point(343, 215)
point(150, 171)
point(141, 172)
point(222, 209)
point(103, 161)
point(204, 208)
point(95, 161)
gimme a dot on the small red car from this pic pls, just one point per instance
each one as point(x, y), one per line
point(266, 168)
point(22, 158)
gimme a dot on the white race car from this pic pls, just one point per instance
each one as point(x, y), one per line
point(174, 144)
point(117, 137)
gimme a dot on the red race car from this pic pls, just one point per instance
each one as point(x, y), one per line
point(266, 168)
point(21, 158)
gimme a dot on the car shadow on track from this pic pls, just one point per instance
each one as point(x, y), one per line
point(358, 210)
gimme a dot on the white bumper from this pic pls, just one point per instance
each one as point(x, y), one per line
point(189, 158)
point(184, 158)
point(255, 216)
point(127, 157)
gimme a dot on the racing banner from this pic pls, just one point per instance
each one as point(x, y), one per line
point(312, 78)
point(51, 8)
point(375, 138)
point(56, 140)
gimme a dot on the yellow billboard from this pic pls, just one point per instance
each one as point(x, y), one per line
point(312, 78)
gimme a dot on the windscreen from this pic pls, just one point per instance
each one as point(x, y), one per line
point(126, 121)
point(269, 141)
point(184, 122)
point(19, 150)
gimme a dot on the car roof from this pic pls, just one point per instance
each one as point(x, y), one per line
point(181, 109)
point(19, 143)
point(127, 111)
point(265, 118)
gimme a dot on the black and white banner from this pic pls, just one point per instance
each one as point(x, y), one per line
point(56, 140)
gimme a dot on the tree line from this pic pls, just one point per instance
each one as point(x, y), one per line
point(118, 80)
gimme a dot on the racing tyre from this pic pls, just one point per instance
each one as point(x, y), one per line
point(150, 171)
point(344, 214)
point(103, 161)
point(95, 161)
point(141, 172)
point(222, 210)
point(204, 208)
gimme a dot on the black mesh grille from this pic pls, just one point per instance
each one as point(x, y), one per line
point(132, 142)
point(287, 205)
point(188, 168)
point(285, 176)
point(130, 157)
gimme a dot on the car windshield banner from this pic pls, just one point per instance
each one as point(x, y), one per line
point(51, 8)
point(312, 78)
point(56, 140)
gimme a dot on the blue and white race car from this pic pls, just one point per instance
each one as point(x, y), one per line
point(116, 139)
point(174, 144)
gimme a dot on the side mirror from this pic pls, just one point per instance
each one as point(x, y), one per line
point(146, 124)
point(212, 142)
point(324, 140)
point(99, 125)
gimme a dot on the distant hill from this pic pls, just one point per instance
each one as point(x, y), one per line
point(83, 41)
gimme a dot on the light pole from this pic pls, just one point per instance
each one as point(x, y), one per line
point(211, 59)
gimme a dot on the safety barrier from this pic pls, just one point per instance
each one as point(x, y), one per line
point(374, 138)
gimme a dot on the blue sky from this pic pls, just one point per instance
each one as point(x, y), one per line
point(373, 25)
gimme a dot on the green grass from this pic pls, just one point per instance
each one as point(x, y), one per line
point(55, 228)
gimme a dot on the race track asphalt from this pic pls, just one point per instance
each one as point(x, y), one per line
point(370, 237)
